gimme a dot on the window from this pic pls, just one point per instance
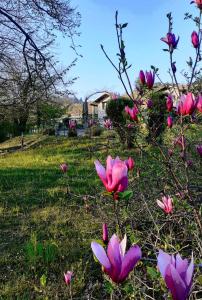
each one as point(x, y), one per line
point(103, 105)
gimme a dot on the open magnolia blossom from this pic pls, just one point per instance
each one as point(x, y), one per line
point(115, 176)
point(132, 112)
point(177, 273)
point(186, 105)
point(116, 262)
point(170, 40)
point(166, 204)
point(108, 124)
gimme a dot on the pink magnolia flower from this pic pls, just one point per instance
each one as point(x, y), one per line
point(68, 277)
point(170, 40)
point(105, 237)
point(177, 273)
point(117, 263)
point(115, 176)
point(142, 77)
point(72, 124)
point(150, 78)
point(166, 204)
point(170, 122)
point(169, 103)
point(63, 167)
point(108, 124)
point(130, 163)
point(186, 105)
point(195, 39)
point(199, 149)
point(199, 103)
point(198, 3)
point(132, 112)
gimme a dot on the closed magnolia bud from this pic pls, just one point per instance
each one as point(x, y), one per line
point(105, 237)
point(63, 167)
point(169, 103)
point(195, 39)
point(142, 77)
point(170, 122)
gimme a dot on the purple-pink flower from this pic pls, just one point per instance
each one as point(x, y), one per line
point(171, 40)
point(170, 122)
point(186, 105)
point(142, 77)
point(177, 273)
point(195, 39)
point(115, 176)
point(63, 167)
point(68, 277)
point(150, 78)
point(130, 163)
point(72, 124)
point(116, 262)
point(166, 204)
point(108, 124)
point(169, 103)
point(198, 3)
point(199, 104)
point(132, 112)
point(199, 149)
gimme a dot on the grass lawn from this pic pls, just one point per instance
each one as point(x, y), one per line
point(48, 219)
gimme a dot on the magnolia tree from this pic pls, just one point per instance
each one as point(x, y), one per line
point(173, 224)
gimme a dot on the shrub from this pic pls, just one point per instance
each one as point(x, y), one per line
point(156, 117)
point(115, 112)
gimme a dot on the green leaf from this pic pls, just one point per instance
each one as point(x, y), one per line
point(126, 195)
point(152, 272)
point(43, 280)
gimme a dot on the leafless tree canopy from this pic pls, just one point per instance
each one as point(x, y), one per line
point(27, 27)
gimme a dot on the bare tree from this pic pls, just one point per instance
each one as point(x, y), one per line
point(27, 27)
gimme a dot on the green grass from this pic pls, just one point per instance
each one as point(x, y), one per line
point(48, 220)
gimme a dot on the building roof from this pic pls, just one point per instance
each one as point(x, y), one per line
point(101, 98)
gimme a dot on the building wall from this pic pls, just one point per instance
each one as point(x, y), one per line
point(102, 110)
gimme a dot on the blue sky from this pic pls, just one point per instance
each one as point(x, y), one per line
point(147, 23)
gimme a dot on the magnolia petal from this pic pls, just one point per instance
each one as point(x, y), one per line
point(175, 283)
point(181, 266)
point(113, 253)
point(131, 258)
point(164, 260)
point(123, 246)
point(101, 171)
point(119, 173)
point(189, 274)
point(101, 255)
point(160, 204)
